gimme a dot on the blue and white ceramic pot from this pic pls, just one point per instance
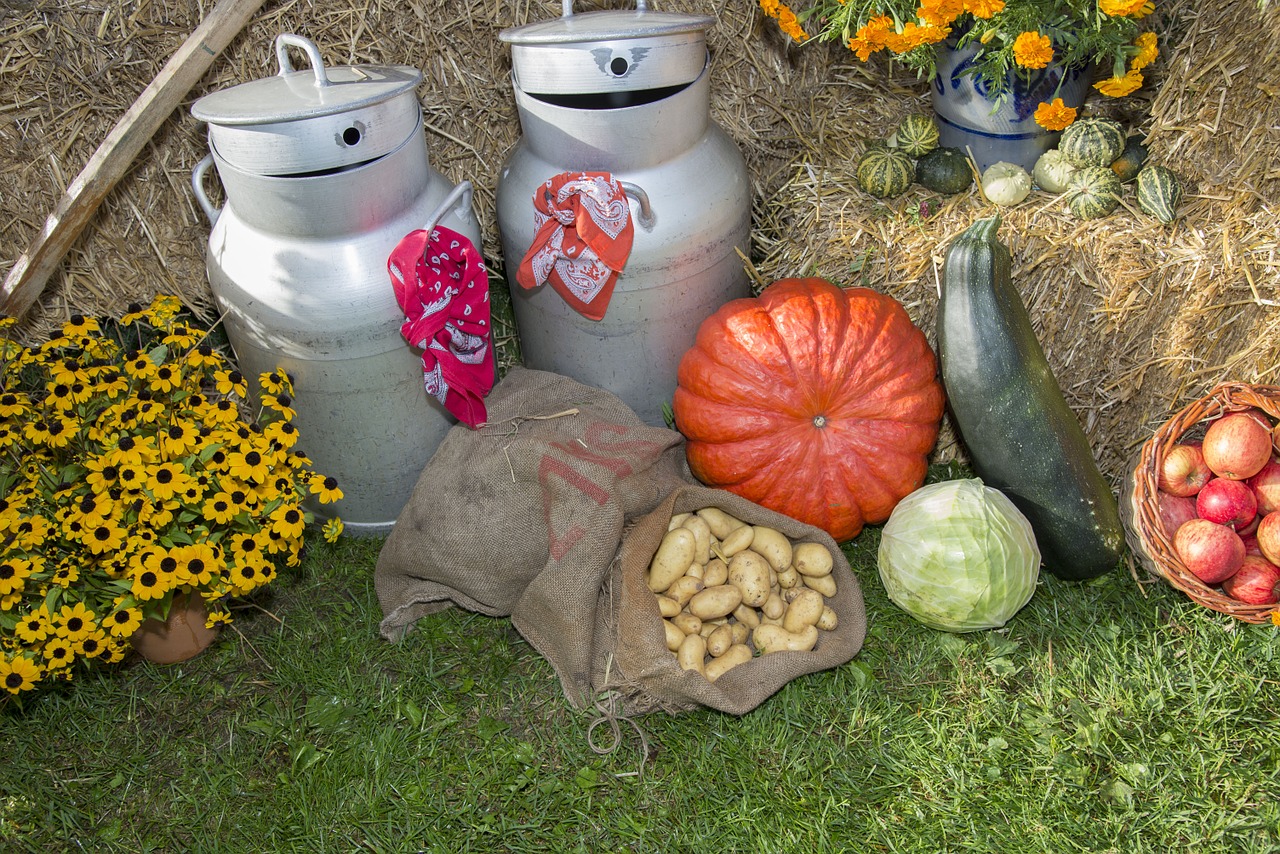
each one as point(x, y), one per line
point(968, 118)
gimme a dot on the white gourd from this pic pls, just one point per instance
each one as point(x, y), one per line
point(1006, 184)
point(1053, 171)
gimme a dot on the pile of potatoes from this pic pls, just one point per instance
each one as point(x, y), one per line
point(727, 589)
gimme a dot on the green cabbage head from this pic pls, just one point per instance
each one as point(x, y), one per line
point(959, 556)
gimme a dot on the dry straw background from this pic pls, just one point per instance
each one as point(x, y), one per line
point(1136, 318)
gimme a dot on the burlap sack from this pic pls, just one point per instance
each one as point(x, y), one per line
point(633, 662)
point(536, 497)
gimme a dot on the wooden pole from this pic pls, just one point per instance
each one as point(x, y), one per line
point(114, 156)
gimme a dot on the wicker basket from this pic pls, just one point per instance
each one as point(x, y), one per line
point(1140, 510)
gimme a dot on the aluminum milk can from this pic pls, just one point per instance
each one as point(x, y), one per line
point(626, 93)
point(324, 171)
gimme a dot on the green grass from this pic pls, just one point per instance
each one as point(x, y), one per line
point(1099, 719)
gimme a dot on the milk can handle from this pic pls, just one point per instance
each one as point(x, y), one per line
point(463, 190)
point(645, 219)
point(284, 41)
point(197, 184)
point(566, 7)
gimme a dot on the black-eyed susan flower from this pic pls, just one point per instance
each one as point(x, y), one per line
point(140, 368)
point(218, 617)
point(91, 645)
point(180, 336)
point(220, 413)
point(275, 382)
point(104, 537)
point(166, 379)
point(58, 653)
point(34, 626)
point(166, 480)
point(250, 465)
point(66, 572)
point(100, 474)
point(132, 314)
point(126, 451)
point(325, 488)
point(10, 435)
point(178, 439)
point(131, 478)
point(14, 404)
point(231, 382)
point(282, 434)
point(281, 404)
point(202, 356)
point(73, 622)
point(219, 508)
point(123, 622)
point(148, 584)
point(14, 571)
point(199, 563)
point(288, 520)
point(18, 673)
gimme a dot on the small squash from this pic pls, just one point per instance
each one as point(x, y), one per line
point(1006, 184)
point(917, 135)
point(1092, 142)
point(1094, 192)
point(1131, 160)
point(885, 172)
point(1159, 192)
point(1052, 172)
point(816, 401)
point(944, 170)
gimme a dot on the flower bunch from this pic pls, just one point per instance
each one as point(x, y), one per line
point(1009, 35)
point(131, 472)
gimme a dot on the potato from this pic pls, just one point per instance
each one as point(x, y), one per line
point(737, 654)
point(701, 538)
point(712, 602)
point(749, 573)
point(736, 541)
point(675, 637)
point(828, 621)
point(716, 572)
point(696, 570)
point(804, 611)
point(692, 653)
point(719, 641)
point(741, 632)
point(774, 607)
point(720, 522)
point(747, 616)
point(788, 578)
point(667, 606)
point(812, 560)
point(824, 584)
point(672, 558)
point(709, 626)
point(687, 623)
point(772, 545)
point(678, 520)
point(769, 639)
point(684, 588)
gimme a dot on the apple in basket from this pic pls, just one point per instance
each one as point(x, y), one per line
point(1268, 537)
point(1211, 551)
point(1236, 446)
point(1255, 582)
point(1183, 470)
point(1266, 487)
point(1227, 502)
point(1174, 510)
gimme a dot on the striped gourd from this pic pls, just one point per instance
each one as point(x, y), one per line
point(1092, 142)
point(917, 135)
point(1159, 192)
point(885, 172)
point(1094, 192)
point(1131, 160)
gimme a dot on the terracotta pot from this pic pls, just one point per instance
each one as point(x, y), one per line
point(181, 636)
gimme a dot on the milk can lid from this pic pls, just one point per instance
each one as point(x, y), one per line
point(309, 93)
point(640, 23)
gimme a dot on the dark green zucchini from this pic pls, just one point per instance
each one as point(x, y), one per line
point(1021, 436)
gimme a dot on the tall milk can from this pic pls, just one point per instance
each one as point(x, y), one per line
point(324, 171)
point(626, 93)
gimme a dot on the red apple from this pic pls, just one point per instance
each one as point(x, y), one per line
point(1266, 487)
point(1251, 543)
point(1174, 510)
point(1183, 470)
point(1268, 537)
point(1211, 551)
point(1236, 446)
point(1255, 582)
point(1227, 502)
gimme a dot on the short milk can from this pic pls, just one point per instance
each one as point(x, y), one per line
point(325, 170)
point(623, 94)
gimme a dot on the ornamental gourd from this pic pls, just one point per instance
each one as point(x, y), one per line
point(818, 402)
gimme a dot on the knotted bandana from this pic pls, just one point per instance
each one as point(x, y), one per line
point(443, 289)
point(583, 237)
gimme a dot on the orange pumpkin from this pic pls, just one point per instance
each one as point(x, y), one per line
point(819, 402)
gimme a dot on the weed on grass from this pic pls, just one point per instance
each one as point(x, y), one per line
point(1100, 719)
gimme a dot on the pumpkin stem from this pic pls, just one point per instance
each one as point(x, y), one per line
point(819, 421)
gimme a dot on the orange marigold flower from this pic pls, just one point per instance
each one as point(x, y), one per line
point(984, 8)
point(939, 13)
point(1055, 115)
point(1121, 8)
point(1032, 50)
point(1147, 51)
point(789, 24)
point(913, 36)
point(1118, 87)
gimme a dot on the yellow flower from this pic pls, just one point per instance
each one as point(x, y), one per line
point(1055, 115)
point(123, 622)
point(276, 382)
point(1118, 87)
point(984, 8)
point(1032, 50)
point(92, 645)
point(219, 508)
point(199, 563)
point(325, 489)
point(167, 480)
point(231, 382)
point(1147, 51)
point(288, 520)
point(1121, 8)
point(165, 379)
point(913, 36)
point(58, 653)
point(181, 336)
point(332, 530)
point(220, 617)
point(35, 626)
point(18, 673)
point(74, 622)
point(13, 573)
point(940, 13)
point(250, 465)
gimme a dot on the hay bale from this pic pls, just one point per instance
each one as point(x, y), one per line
point(1135, 317)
